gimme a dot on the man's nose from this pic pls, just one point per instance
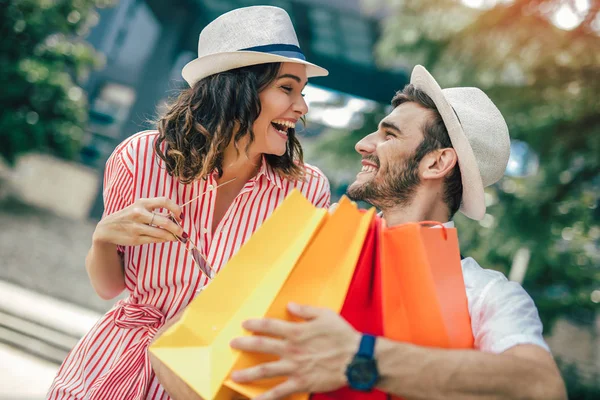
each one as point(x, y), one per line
point(366, 145)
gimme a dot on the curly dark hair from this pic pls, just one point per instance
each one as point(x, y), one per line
point(435, 137)
point(204, 119)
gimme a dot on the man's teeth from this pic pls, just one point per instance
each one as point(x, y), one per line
point(368, 168)
point(289, 124)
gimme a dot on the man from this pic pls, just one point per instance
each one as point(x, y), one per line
point(430, 157)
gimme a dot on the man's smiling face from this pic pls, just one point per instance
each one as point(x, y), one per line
point(390, 168)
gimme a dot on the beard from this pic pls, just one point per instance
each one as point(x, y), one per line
point(396, 188)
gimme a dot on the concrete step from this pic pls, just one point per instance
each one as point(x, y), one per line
point(40, 325)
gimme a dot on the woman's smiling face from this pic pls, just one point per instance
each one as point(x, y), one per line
point(282, 105)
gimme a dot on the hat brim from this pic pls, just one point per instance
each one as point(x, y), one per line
point(473, 196)
point(208, 65)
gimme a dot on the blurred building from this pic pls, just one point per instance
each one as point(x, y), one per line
point(147, 42)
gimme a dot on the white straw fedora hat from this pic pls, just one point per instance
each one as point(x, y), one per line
point(478, 134)
point(247, 36)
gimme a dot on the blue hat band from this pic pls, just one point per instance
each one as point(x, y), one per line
point(285, 50)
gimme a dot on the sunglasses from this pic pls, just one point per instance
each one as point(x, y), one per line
point(198, 258)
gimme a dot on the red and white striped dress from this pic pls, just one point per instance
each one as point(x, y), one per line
point(111, 361)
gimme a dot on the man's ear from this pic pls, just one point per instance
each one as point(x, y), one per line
point(438, 163)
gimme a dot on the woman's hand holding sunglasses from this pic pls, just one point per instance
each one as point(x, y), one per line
point(138, 224)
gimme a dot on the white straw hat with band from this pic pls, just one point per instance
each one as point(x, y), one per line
point(247, 36)
point(478, 133)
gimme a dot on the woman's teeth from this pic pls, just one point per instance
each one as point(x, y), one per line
point(368, 168)
point(285, 123)
point(282, 125)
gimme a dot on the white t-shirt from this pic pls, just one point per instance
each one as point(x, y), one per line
point(502, 314)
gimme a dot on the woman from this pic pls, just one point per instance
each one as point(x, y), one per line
point(180, 201)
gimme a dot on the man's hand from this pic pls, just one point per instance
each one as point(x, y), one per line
point(313, 354)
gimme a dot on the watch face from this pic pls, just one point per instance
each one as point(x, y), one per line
point(362, 373)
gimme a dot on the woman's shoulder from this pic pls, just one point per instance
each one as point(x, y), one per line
point(136, 148)
point(137, 158)
point(137, 142)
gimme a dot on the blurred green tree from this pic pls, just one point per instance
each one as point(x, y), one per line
point(546, 82)
point(44, 59)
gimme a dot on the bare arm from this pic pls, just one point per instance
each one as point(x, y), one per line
point(314, 355)
point(105, 269)
point(522, 372)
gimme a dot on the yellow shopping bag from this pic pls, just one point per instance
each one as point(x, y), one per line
point(321, 279)
point(197, 347)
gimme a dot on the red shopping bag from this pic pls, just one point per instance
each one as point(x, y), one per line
point(363, 307)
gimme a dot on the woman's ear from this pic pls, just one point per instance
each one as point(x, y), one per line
point(438, 163)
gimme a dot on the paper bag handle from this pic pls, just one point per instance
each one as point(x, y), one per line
point(435, 223)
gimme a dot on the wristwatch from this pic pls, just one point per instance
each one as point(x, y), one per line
point(362, 373)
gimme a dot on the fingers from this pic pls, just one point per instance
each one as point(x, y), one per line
point(259, 344)
point(281, 391)
point(306, 312)
point(264, 371)
point(165, 222)
point(162, 202)
point(143, 239)
point(142, 213)
point(272, 327)
point(158, 234)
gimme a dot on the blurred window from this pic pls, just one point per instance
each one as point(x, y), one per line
point(108, 112)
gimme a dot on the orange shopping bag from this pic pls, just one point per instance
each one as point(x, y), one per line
point(424, 297)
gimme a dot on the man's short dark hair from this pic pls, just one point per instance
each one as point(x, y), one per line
point(435, 137)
